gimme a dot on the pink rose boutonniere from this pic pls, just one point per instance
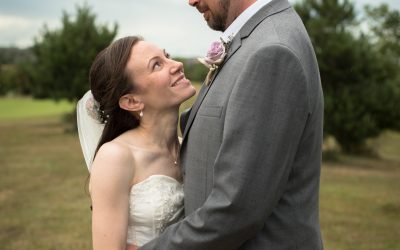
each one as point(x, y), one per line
point(215, 57)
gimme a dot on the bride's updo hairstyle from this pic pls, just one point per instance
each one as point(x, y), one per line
point(109, 81)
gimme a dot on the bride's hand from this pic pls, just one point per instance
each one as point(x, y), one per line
point(131, 247)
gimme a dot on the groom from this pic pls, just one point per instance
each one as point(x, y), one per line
point(251, 152)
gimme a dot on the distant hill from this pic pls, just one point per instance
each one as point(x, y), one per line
point(13, 55)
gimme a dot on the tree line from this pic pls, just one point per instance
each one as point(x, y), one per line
point(358, 56)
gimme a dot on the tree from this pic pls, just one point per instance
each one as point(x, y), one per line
point(385, 35)
point(14, 55)
point(13, 78)
point(358, 81)
point(385, 28)
point(63, 57)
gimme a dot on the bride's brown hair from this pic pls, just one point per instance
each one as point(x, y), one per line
point(110, 80)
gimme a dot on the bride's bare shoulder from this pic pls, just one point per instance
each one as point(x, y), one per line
point(112, 170)
point(114, 148)
point(115, 153)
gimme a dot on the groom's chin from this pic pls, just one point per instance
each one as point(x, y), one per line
point(217, 26)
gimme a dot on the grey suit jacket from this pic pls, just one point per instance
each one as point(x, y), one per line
point(251, 150)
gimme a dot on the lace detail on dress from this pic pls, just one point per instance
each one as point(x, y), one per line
point(155, 203)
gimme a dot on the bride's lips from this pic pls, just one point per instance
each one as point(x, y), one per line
point(181, 79)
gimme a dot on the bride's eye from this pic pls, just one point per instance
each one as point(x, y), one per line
point(156, 65)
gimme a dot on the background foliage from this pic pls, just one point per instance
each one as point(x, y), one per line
point(359, 69)
point(62, 58)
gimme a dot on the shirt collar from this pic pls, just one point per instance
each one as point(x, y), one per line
point(238, 23)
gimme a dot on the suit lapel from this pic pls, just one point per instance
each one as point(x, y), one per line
point(235, 45)
point(273, 7)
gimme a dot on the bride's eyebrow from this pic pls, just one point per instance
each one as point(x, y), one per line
point(165, 53)
point(151, 59)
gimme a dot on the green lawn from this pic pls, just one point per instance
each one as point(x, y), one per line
point(43, 203)
point(360, 204)
point(21, 108)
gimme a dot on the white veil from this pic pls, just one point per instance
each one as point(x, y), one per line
point(89, 126)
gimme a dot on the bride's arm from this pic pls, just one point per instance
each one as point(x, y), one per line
point(110, 182)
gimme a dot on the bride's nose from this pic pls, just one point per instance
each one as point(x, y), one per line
point(176, 66)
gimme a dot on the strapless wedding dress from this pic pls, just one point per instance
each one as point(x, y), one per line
point(154, 204)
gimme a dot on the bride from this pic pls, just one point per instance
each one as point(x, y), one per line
point(128, 125)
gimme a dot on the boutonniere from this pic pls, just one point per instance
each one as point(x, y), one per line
point(214, 58)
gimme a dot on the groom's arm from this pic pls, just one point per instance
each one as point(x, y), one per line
point(265, 117)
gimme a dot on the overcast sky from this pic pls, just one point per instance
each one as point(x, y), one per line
point(171, 24)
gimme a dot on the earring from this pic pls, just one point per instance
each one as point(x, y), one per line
point(141, 113)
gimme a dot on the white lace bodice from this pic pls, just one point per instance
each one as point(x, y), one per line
point(154, 204)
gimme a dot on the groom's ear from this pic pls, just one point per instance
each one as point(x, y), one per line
point(130, 102)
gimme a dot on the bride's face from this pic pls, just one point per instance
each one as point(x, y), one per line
point(159, 80)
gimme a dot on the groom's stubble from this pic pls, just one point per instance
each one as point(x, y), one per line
point(219, 19)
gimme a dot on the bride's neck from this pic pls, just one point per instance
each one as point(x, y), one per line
point(159, 129)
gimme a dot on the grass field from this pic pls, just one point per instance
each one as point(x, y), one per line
point(43, 204)
point(21, 108)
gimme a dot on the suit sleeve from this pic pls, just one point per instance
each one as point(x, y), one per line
point(265, 116)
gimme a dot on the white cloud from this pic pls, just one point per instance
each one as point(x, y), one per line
point(20, 31)
point(7, 22)
point(15, 30)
